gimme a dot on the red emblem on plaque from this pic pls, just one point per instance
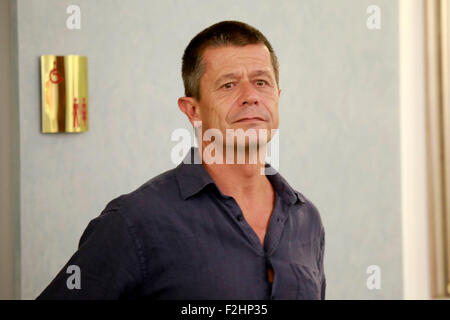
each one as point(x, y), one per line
point(84, 110)
point(75, 113)
point(54, 75)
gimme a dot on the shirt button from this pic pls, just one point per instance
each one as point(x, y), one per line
point(239, 217)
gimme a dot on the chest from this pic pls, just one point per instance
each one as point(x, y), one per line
point(258, 217)
point(206, 246)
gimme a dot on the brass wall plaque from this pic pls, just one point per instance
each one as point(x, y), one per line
point(64, 89)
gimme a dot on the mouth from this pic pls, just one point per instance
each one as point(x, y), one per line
point(250, 119)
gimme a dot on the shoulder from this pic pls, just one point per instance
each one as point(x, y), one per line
point(155, 195)
point(310, 212)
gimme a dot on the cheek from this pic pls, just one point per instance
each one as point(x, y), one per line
point(221, 107)
point(215, 116)
point(276, 122)
point(272, 105)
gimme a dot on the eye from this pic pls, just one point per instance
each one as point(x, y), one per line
point(228, 85)
point(261, 83)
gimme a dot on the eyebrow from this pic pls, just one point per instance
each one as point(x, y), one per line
point(235, 75)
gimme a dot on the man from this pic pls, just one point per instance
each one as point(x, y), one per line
point(209, 228)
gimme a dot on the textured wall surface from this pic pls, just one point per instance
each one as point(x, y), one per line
point(339, 122)
point(8, 149)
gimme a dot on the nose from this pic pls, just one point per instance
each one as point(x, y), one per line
point(248, 95)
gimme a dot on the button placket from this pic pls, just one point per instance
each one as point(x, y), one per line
point(276, 225)
point(246, 228)
point(274, 279)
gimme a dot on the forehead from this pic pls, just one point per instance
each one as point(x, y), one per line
point(232, 58)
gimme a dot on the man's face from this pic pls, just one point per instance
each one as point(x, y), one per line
point(238, 89)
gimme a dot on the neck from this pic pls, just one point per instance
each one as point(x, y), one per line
point(236, 177)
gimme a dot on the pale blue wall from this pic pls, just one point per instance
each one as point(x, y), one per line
point(339, 122)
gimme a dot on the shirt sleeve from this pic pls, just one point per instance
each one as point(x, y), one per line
point(321, 267)
point(107, 265)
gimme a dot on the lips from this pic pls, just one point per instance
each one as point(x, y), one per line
point(248, 119)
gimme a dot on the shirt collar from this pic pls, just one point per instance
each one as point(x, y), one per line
point(192, 178)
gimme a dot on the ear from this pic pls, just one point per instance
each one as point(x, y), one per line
point(279, 92)
point(189, 106)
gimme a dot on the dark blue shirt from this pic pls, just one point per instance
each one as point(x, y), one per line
point(179, 237)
